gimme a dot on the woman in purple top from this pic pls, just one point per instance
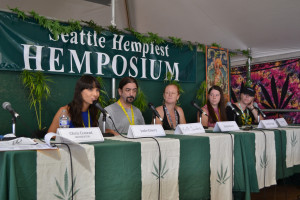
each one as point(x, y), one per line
point(215, 108)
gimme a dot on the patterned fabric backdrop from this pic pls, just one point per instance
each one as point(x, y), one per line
point(277, 86)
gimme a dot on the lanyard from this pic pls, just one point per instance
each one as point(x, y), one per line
point(132, 114)
point(217, 115)
point(244, 114)
point(88, 120)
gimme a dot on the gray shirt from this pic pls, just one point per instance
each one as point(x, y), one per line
point(120, 119)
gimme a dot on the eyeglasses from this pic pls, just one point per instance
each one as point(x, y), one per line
point(171, 93)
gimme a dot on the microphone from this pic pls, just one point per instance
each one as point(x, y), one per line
point(97, 104)
point(232, 108)
point(7, 106)
point(198, 108)
point(259, 110)
point(150, 105)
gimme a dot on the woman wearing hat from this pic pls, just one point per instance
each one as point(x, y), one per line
point(247, 113)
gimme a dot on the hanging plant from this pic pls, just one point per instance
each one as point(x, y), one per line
point(155, 38)
point(38, 85)
point(202, 47)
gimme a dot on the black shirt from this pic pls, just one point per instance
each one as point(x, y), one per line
point(243, 119)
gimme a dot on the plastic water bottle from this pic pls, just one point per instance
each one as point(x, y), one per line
point(64, 120)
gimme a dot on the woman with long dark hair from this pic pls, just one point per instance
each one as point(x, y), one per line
point(214, 108)
point(81, 111)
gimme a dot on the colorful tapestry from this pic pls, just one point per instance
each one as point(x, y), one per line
point(277, 87)
point(217, 69)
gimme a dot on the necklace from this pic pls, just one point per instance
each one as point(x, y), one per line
point(131, 122)
point(169, 117)
point(246, 117)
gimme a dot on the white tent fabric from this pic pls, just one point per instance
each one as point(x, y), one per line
point(269, 27)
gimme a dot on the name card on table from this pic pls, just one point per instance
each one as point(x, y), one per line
point(139, 131)
point(226, 126)
point(281, 122)
point(80, 135)
point(267, 123)
point(188, 129)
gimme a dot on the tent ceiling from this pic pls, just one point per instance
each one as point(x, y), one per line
point(269, 27)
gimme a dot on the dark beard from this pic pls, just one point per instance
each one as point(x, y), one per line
point(130, 99)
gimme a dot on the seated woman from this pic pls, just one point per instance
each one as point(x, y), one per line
point(214, 108)
point(247, 113)
point(171, 113)
point(81, 111)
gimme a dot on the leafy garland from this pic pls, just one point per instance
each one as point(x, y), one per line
point(56, 28)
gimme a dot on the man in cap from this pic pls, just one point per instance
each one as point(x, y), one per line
point(247, 113)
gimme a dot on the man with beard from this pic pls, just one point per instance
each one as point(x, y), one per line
point(122, 112)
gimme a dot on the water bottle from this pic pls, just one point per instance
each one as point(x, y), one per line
point(64, 120)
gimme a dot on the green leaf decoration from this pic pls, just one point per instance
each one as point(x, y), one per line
point(176, 41)
point(201, 94)
point(20, 13)
point(93, 25)
point(215, 45)
point(155, 38)
point(202, 47)
point(141, 100)
point(190, 45)
point(114, 29)
point(67, 193)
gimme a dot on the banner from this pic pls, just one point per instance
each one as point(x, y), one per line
point(217, 69)
point(25, 45)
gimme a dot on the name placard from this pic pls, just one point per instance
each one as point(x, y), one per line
point(188, 129)
point(80, 135)
point(281, 122)
point(226, 126)
point(267, 123)
point(139, 131)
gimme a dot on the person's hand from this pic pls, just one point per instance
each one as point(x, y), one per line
point(250, 106)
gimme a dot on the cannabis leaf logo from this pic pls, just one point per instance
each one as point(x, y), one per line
point(293, 140)
point(276, 104)
point(67, 192)
point(222, 175)
point(162, 172)
point(264, 160)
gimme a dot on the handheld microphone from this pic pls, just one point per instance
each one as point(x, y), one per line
point(97, 104)
point(259, 110)
point(232, 108)
point(198, 108)
point(154, 111)
point(7, 106)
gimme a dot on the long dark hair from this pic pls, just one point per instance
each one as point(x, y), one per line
point(75, 107)
point(212, 116)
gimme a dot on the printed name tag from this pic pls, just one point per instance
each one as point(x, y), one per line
point(281, 122)
point(267, 123)
point(139, 131)
point(187, 129)
point(80, 135)
point(226, 126)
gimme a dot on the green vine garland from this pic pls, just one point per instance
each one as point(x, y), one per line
point(56, 28)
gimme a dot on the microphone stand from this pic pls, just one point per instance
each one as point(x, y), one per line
point(154, 118)
point(200, 114)
point(104, 129)
point(14, 125)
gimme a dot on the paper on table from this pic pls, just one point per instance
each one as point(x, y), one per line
point(22, 143)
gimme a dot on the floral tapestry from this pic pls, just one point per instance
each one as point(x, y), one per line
point(277, 87)
point(217, 69)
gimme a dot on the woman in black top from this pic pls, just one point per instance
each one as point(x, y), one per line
point(171, 113)
point(247, 113)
